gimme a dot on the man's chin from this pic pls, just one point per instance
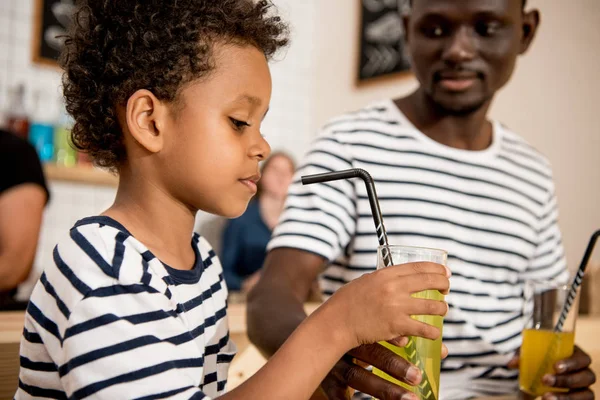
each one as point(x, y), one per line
point(458, 107)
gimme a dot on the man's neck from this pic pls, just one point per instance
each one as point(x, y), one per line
point(467, 132)
point(156, 219)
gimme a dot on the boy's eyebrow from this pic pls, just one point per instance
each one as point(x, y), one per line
point(253, 100)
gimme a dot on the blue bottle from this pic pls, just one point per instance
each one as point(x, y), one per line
point(41, 136)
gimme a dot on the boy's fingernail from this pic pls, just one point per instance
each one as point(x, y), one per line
point(448, 272)
point(549, 380)
point(413, 375)
point(408, 396)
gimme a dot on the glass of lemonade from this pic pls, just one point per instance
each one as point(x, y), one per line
point(542, 347)
point(424, 353)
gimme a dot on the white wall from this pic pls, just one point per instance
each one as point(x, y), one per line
point(552, 99)
point(289, 119)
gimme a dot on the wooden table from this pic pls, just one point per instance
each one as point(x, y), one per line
point(11, 329)
point(248, 360)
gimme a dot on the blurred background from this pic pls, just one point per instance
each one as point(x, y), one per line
point(328, 69)
point(551, 101)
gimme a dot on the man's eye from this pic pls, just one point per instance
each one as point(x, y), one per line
point(434, 31)
point(487, 29)
point(239, 125)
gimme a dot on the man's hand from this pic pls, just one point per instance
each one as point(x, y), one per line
point(573, 373)
point(348, 375)
point(250, 282)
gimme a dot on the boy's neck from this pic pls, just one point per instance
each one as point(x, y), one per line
point(164, 225)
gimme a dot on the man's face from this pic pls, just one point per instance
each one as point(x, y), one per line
point(464, 51)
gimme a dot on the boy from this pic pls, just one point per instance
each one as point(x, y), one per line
point(170, 95)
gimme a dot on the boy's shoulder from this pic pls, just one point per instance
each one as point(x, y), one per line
point(97, 252)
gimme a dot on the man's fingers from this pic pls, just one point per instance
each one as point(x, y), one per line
point(370, 384)
point(387, 361)
point(577, 362)
point(332, 386)
point(575, 380)
point(585, 394)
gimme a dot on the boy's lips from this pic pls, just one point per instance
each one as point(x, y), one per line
point(251, 182)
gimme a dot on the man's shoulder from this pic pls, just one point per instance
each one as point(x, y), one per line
point(519, 148)
point(374, 112)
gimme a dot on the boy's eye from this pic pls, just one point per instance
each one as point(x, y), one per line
point(239, 125)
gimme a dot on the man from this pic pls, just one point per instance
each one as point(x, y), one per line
point(447, 178)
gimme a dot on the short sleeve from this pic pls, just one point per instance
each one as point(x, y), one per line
point(20, 163)
point(319, 218)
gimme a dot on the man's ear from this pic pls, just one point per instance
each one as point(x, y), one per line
point(144, 116)
point(531, 21)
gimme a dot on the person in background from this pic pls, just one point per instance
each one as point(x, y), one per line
point(245, 238)
point(23, 196)
point(448, 177)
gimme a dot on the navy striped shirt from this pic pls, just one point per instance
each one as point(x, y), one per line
point(494, 211)
point(110, 320)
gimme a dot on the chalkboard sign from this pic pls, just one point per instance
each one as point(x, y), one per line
point(51, 20)
point(382, 50)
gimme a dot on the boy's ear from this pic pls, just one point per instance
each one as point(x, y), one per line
point(145, 119)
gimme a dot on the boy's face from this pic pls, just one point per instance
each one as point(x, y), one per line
point(213, 143)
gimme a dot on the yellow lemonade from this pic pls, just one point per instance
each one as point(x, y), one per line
point(427, 352)
point(540, 350)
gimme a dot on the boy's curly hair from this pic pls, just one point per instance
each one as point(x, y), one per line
point(116, 47)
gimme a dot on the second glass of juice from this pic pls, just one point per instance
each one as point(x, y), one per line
point(542, 345)
point(424, 353)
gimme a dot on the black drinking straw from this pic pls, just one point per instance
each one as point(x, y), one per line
point(576, 282)
point(566, 308)
point(371, 193)
point(411, 353)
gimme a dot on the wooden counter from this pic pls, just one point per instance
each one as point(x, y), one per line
point(248, 360)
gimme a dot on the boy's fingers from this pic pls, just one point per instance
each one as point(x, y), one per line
point(417, 283)
point(427, 307)
point(400, 341)
point(412, 327)
point(421, 267)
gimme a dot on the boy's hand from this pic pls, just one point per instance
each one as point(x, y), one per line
point(379, 305)
point(573, 373)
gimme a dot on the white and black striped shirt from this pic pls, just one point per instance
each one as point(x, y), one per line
point(494, 211)
point(109, 320)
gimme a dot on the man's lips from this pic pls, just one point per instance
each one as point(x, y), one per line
point(457, 85)
point(457, 81)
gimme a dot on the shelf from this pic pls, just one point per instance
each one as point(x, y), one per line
point(80, 174)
